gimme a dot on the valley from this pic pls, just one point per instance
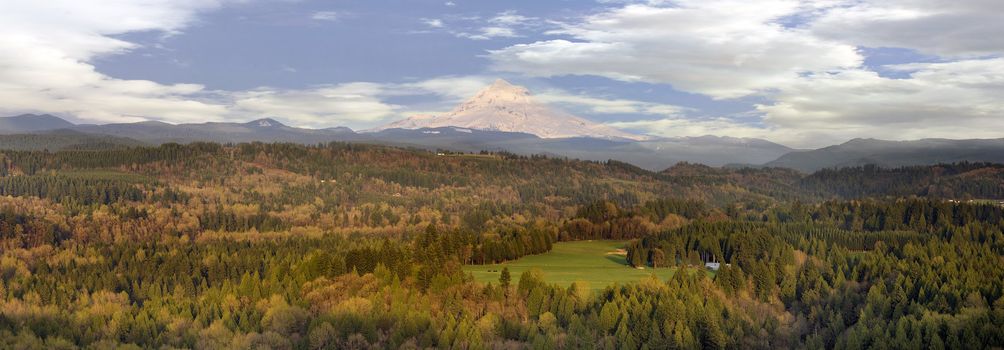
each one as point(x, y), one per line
point(342, 245)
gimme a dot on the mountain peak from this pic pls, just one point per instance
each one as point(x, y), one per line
point(265, 123)
point(32, 122)
point(503, 85)
point(30, 116)
point(505, 107)
point(499, 92)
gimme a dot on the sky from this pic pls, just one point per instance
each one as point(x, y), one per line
point(801, 73)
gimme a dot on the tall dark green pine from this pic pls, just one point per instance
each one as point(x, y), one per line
point(505, 279)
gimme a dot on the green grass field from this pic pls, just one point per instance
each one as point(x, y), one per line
point(986, 201)
point(568, 262)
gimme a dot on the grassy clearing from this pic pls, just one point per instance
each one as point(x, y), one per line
point(589, 261)
point(987, 201)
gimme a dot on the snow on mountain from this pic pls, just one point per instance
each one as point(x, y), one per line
point(510, 108)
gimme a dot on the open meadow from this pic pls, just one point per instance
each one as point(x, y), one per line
point(594, 262)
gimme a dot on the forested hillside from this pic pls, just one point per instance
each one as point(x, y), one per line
point(344, 246)
point(63, 140)
point(953, 181)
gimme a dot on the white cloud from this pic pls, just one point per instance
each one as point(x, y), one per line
point(801, 58)
point(600, 105)
point(510, 18)
point(453, 88)
point(950, 28)
point(353, 103)
point(326, 16)
point(433, 22)
point(48, 44)
point(362, 104)
point(45, 67)
point(506, 24)
point(951, 100)
point(678, 126)
point(487, 33)
point(358, 105)
point(956, 100)
point(723, 49)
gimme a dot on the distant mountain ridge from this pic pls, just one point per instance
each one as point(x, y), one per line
point(32, 122)
point(653, 154)
point(265, 130)
point(858, 152)
point(656, 154)
point(510, 108)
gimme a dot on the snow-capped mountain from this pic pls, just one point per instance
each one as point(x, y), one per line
point(511, 108)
